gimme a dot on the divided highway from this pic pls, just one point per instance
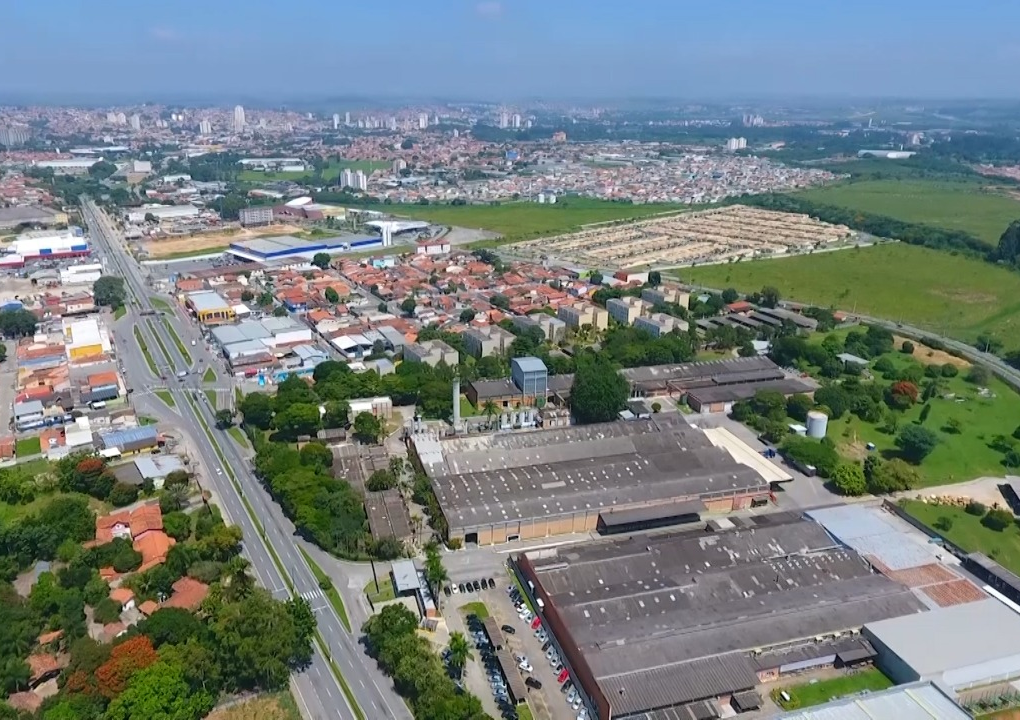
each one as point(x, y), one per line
point(268, 535)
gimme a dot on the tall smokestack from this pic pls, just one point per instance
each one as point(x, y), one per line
point(456, 404)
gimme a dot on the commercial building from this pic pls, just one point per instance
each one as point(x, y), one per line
point(626, 310)
point(12, 217)
point(578, 315)
point(659, 324)
point(380, 407)
point(81, 274)
point(287, 246)
point(554, 329)
point(489, 340)
point(260, 341)
point(720, 399)
point(658, 626)
point(256, 216)
point(677, 380)
point(431, 352)
point(920, 701)
point(131, 440)
point(162, 213)
point(531, 376)
point(209, 307)
point(387, 515)
point(84, 338)
point(510, 486)
point(507, 393)
point(71, 166)
point(432, 247)
point(960, 647)
point(49, 244)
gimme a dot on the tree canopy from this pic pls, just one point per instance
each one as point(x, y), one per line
point(599, 392)
point(109, 291)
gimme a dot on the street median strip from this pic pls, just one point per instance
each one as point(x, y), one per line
point(178, 342)
point(348, 693)
point(162, 346)
point(145, 352)
point(327, 586)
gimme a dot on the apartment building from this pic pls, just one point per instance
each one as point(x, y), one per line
point(554, 329)
point(489, 340)
point(431, 352)
point(666, 294)
point(580, 314)
point(658, 324)
point(626, 310)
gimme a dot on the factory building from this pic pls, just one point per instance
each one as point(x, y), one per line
point(681, 625)
point(162, 213)
point(286, 246)
point(518, 486)
point(48, 244)
point(905, 702)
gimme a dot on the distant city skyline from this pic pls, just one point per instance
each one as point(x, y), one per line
point(501, 50)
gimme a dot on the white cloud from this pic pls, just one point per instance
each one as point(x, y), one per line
point(489, 9)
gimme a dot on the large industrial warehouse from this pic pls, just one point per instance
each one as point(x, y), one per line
point(288, 246)
point(676, 625)
point(614, 477)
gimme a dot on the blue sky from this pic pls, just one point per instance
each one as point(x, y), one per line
point(506, 49)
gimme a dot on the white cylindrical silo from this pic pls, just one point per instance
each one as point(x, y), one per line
point(817, 424)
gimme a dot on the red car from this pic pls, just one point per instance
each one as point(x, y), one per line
point(562, 677)
point(535, 623)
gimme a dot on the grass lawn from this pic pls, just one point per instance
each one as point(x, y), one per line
point(969, 206)
point(209, 376)
point(385, 592)
point(145, 352)
point(524, 712)
point(160, 304)
point(28, 446)
point(475, 608)
point(952, 295)
point(467, 409)
point(276, 706)
point(120, 312)
point(211, 396)
point(162, 345)
point(524, 220)
point(958, 457)
point(145, 420)
point(332, 171)
point(214, 250)
point(34, 467)
point(810, 694)
point(238, 435)
point(331, 593)
point(166, 397)
point(968, 532)
point(9, 513)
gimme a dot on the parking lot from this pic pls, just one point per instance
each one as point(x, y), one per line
point(529, 649)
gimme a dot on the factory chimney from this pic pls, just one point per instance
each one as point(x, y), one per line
point(456, 404)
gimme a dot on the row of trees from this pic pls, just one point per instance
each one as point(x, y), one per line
point(418, 673)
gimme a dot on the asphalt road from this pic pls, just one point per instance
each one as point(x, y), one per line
point(318, 693)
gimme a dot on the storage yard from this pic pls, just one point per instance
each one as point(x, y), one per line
point(712, 236)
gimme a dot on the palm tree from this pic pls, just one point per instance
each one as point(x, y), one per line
point(490, 410)
point(239, 581)
point(435, 573)
point(460, 651)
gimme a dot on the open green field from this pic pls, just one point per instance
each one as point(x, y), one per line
point(524, 220)
point(958, 457)
point(166, 397)
point(952, 295)
point(209, 376)
point(969, 206)
point(10, 513)
point(968, 532)
point(28, 446)
point(384, 594)
point(475, 608)
point(332, 171)
point(811, 694)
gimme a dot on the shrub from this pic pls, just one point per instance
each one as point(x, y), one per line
point(978, 375)
point(849, 480)
point(907, 348)
point(123, 494)
point(998, 519)
point(107, 611)
point(656, 407)
point(944, 523)
point(916, 442)
point(975, 508)
point(949, 370)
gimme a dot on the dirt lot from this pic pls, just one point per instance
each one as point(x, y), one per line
point(269, 707)
point(211, 241)
point(928, 356)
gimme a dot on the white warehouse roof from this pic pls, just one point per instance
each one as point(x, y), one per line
point(917, 701)
point(397, 226)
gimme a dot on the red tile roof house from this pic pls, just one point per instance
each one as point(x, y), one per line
point(144, 527)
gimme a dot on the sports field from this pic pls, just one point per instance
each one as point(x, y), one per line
point(524, 220)
point(331, 171)
point(973, 207)
point(935, 290)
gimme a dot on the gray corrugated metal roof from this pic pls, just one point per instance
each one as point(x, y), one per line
point(207, 300)
point(954, 637)
point(529, 364)
point(877, 534)
point(405, 576)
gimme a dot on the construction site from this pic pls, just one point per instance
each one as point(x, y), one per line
point(712, 236)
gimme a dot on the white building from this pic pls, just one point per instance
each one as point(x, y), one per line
point(141, 166)
point(238, 119)
point(347, 118)
point(136, 122)
point(360, 181)
point(162, 213)
point(256, 216)
point(347, 178)
point(734, 144)
point(81, 274)
point(423, 121)
point(504, 120)
point(205, 128)
point(516, 120)
point(336, 121)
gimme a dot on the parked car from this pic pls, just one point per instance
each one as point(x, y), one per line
point(492, 584)
point(447, 591)
point(532, 682)
point(462, 589)
point(454, 589)
point(546, 645)
point(508, 629)
point(525, 666)
point(476, 586)
point(562, 678)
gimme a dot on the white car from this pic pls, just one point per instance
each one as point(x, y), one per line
point(525, 666)
point(453, 589)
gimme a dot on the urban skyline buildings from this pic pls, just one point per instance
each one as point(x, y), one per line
point(238, 119)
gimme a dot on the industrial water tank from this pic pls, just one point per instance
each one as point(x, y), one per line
point(817, 424)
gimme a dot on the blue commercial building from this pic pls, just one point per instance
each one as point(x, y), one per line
point(286, 246)
point(531, 376)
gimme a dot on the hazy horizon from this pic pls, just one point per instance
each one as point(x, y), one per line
point(506, 50)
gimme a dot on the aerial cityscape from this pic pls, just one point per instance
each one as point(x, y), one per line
point(574, 362)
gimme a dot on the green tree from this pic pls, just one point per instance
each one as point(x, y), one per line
point(160, 691)
point(381, 480)
point(317, 455)
point(599, 392)
point(467, 315)
point(730, 295)
point(798, 405)
point(224, 418)
point(998, 519)
point(367, 427)
point(435, 571)
point(109, 291)
point(337, 414)
point(595, 278)
point(1008, 249)
point(769, 297)
point(654, 278)
point(102, 170)
point(460, 651)
point(257, 410)
point(916, 442)
point(123, 494)
point(331, 295)
point(321, 260)
point(17, 323)
point(107, 611)
point(177, 525)
point(849, 479)
point(408, 305)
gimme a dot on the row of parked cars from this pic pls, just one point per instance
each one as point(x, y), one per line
point(469, 586)
point(487, 654)
point(552, 655)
